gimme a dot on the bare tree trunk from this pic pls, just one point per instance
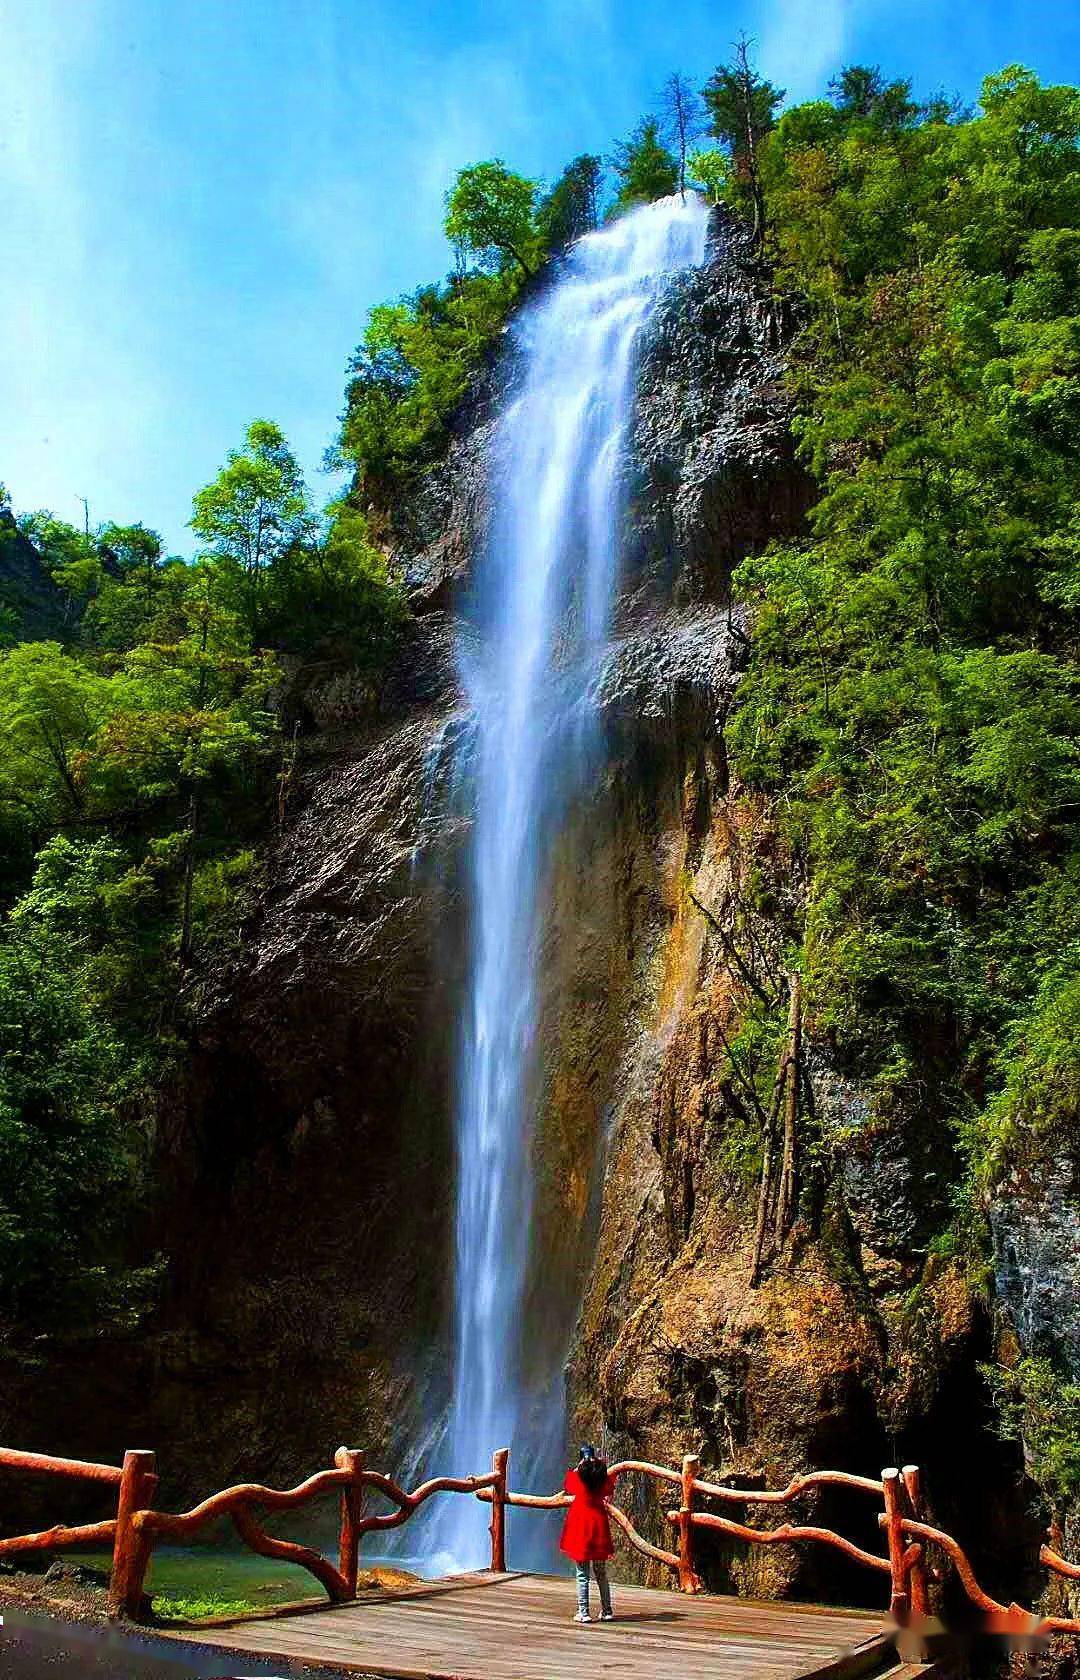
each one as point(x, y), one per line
point(765, 1193)
point(776, 1198)
point(764, 1198)
point(785, 1200)
point(184, 955)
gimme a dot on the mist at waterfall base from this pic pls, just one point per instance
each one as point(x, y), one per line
point(538, 627)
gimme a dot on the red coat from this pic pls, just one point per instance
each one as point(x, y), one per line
point(586, 1535)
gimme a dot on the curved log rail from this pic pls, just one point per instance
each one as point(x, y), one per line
point(185, 1524)
point(559, 1501)
point(239, 1504)
point(407, 1503)
point(137, 1526)
point(908, 1537)
point(348, 1478)
point(786, 1534)
point(797, 1485)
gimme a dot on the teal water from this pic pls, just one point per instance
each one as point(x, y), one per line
point(202, 1572)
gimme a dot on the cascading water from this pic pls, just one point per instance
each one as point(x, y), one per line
point(541, 613)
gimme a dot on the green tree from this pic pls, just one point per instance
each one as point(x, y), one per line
point(254, 511)
point(644, 167)
point(82, 988)
point(742, 110)
point(710, 168)
point(92, 953)
point(128, 606)
point(302, 585)
point(491, 215)
point(190, 717)
point(64, 1171)
point(137, 767)
point(132, 550)
point(134, 574)
point(71, 556)
point(408, 374)
point(334, 598)
point(53, 706)
point(861, 91)
point(912, 697)
point(572, 207)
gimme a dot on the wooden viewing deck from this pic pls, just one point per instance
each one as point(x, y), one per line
point(501, 1625)
point(518, 1627)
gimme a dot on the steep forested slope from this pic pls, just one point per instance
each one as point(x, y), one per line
point(910, 706)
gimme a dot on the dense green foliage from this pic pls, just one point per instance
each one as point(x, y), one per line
point(644, 167)
point(1039, 1408)
point(572, 207)
point(417, 356)
point(491, 216)
point(912, 703)
point(408, 375)
point(138, 765)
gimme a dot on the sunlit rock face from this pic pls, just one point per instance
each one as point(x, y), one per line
point(1035, 1225)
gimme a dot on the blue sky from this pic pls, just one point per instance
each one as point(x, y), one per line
point(200, 199)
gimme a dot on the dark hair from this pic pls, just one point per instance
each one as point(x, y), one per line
point(592, 1469)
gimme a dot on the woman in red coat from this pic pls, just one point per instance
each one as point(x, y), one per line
point(586, 1535)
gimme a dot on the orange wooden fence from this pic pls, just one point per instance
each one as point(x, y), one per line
point(910, 1541)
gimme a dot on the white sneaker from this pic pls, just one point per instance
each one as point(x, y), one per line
point(607, 1616)
point(583, 1619)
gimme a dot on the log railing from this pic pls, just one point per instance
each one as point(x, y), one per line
point(137, 1527)
point(908, 1537)
point(348, 1478)
point(688, 1517)
point(70, 1469)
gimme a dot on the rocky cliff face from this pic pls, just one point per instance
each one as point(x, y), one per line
point(307, 1158)
point(37, 608)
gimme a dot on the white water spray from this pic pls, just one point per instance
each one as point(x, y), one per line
point(542, 608)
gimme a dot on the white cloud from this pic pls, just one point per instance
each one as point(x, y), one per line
point(799, 42)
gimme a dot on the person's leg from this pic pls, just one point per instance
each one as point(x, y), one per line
point(600, 1571)
point(582, 1570)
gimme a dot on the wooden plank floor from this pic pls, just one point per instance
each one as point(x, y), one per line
point(518, 1627)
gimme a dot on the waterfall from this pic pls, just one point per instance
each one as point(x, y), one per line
point(539, 623)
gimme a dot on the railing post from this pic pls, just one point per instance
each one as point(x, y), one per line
point(891, 1487)
point(352, 1511)
point(131, 1547)
point(917, 1574)
point(499, 1462)
point(688, 1580)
